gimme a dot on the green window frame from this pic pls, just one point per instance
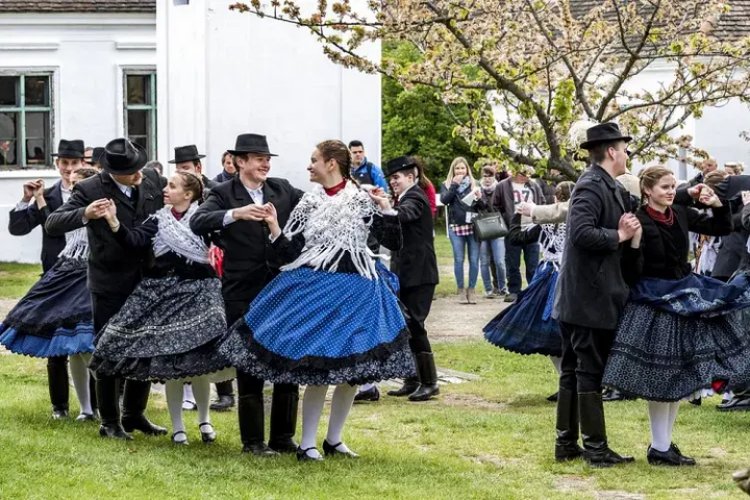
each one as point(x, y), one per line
point(26, 115)
point(139, 99)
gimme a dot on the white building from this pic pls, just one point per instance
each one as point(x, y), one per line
point(66, 68)
point(88, 70)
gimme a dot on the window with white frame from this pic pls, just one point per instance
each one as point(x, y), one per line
point(140, 108)
point(25, 120)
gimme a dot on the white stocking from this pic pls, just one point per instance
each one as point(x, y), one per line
point(673, 407)
point(79, 372)
point(173, 389)
point(557, 363)
point(312, 407)
point(660, 415)
point(202, 393)
point(343, 397)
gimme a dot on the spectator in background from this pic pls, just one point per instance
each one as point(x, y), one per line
point(364, 171)
point(706, 167)
point(508, 194)
point(426, 184)
point(459, 193)
point(734, 168)
point(491, 252)
point(548, 188)
point(229, 170)
point(153, 165)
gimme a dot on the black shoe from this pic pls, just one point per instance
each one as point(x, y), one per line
point(671, 457)
point(596, 451)
point(86, 417)
point(114, 431)
point(510, 298)
point(141, 423)
point(737, 403)
point(410, 385)
point(695, 401)
point(371, 394)
point(286, 445)
point(259, 450)
point(742, 478)
point(552, 398)
point(223, 403)
point(302, 455)
point(284, 408)
point(605, 457)
point(181, 442)
point(330, 450)
point(59, 414)
point(427, 372)
point(207, 437)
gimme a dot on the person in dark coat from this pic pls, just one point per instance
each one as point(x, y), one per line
point(591, 294)
point(29, 213)
point(229, 170)
point(113, 270)
point(508, 194)
point(187, 159)
point(415, 265)
point(234, 211)
point(706, 167)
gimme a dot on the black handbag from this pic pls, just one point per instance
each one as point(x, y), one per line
point(489, 226)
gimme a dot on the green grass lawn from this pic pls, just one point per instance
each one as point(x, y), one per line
point(492, 438)
point(16, 279)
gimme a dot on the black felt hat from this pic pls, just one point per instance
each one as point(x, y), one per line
point(186, 153)
point(122, 157)
point(70, 149)
point(604, 132)
point(251, 143)
point(398, 164)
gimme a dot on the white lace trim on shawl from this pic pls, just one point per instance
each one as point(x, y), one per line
point(76, 244)
point(175, 236)
point(333, 226)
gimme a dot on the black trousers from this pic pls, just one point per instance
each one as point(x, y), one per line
point(584, 356)
point(104, 306)
point(57, 381)
point(417, 300)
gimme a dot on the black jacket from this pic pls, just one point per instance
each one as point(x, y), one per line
point(654, 258)
point(22, 222)
point(250, 261)
point(415, 264)
point(591, 291)
point(113, 268)
point(733, 246)
point(451, 197)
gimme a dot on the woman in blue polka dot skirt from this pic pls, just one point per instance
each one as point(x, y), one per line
point(331, 317)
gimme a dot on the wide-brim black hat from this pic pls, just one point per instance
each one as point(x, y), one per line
point(186, 153)
point(251, 143)
point(70, 149)
point(398, 164)
point(604, 132)
point(122, 157)
point(96, 155)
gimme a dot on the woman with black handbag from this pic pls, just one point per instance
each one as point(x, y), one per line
point(491, 251)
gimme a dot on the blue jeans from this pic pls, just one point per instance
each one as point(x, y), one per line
point(513, 263)
point(459, 244)
point(492, 252)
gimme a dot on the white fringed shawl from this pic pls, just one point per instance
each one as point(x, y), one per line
point(76, 244)
point(333, 226)
point(176, 236)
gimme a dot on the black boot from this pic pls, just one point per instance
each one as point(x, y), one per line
point(284, 418)
point(134, 403)
point(251, 420)
point(596, 450)
point(225, 396)
point(59, 390)
point(108, 396)
point(427, 378)
point(410, 385)
point(566, 444)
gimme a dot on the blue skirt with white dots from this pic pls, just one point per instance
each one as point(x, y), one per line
point(320, 327)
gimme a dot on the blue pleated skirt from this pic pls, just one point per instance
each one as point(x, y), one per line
point(54, 317)
point(319, 327)
point(527, 326)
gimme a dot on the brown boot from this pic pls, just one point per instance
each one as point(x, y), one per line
point(461, 293)
point(470, 296)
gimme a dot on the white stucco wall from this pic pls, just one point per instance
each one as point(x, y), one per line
point(86, 53)
point(223, 73)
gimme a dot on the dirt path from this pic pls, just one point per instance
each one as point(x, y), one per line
point(450, 321)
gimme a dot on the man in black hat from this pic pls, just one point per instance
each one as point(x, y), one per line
point(415, 265)
point(234, 209)
point(113, 270)
point(187, 159)
point(29, 213)
point(591, 294)
point(96, 157)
